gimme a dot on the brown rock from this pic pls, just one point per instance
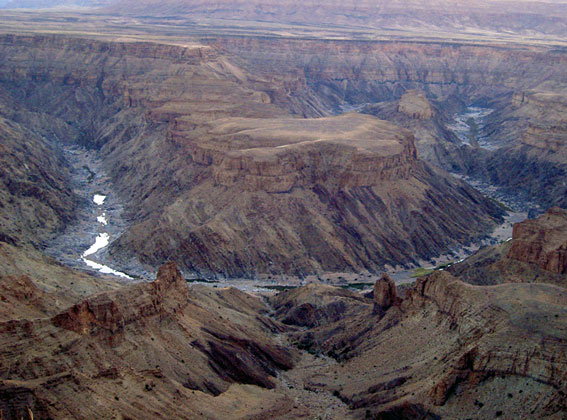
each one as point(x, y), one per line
point(454, 348)
point(227, 179)
point(542, 241)
point(160, 341)
point(415, 105)
point(385, 294)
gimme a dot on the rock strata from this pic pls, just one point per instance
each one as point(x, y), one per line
point(448, 349)
point(415, 105)
point(178, 341)
point(219, 175)
point(542, 241)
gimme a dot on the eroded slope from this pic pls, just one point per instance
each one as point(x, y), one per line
point(200, 150)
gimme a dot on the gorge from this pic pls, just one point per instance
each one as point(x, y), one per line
point(155, 158)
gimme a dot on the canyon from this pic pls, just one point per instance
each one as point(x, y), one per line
point(183, 139)
point(441, 348)
point(193, 194)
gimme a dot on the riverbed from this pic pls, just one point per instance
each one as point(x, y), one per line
point(85, 242)
point(469, 127)
point(98, 219)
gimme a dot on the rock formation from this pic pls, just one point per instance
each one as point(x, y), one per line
point(449, 349)
point(158, 342)
point(217, 174)
point(526, 131)
point(542, 241)
point(535, 253)
point(315, 305)
point(228, 155)
point(415, 105)
point(35, 197)
point(384, 294)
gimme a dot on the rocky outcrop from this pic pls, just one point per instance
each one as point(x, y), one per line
point(316, 304)
point(36, 200)
point(384, 294)
point(208, 158)
point(277, 155)
point(446, 349)
point(526, 129)
point(414, 104)
point(177, 341)
point(534, 254)
point(542, 241)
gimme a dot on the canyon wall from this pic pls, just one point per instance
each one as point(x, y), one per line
point(526, 130)
point(242, 201)
point(445, 350)
point(542, 241)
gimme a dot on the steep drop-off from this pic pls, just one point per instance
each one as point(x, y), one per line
point(524, 85)
point(447, 350)
point(189, 139)
point(535, 253)
point(151, 350)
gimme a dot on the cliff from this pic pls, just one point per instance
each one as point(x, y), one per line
point(171, 346)
point(277, 155)
point(446, 350)
point(217, 172)
point(542, 241)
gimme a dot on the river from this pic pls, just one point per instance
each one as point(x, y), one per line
point(98, 219)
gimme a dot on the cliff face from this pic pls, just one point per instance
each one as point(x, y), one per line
point(217, 173)
point(171, 346)
point(447, 349)
point(375, 71)
point(526, 131)
point(414, 104)
point(542, 241)
point(535, 253)
point(35, 197)
point(277, 155)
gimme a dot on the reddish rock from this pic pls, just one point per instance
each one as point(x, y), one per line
point(542, 241)
point(385, 294)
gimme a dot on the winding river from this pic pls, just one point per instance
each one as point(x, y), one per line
point(98, 218)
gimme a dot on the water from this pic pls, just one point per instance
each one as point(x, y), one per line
point(101, 242)
point(470, 127)
point(98, 220)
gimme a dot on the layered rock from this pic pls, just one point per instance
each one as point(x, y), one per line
point(534, 254)
point(542, 241)
point(415, 105)
point(526, 128)
point(217, 174)
point(277, 155)
point(36, 200)
point(449, 349)
point(181, 344)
